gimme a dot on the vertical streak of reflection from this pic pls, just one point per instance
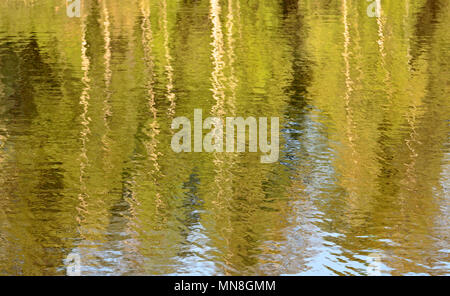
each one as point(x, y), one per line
point(238, 15)
point(152, 130)
point(217, 77)
point(4, 201)
point(413, 113)
point(147, 40)
point(348, 83)
point(107, 77)
point(381, 33)
point(407, 34)
point(85, 131)
point(230, 45)
point(218, 60)
point(222, 163)
point(382, 49)
point(168, 67)
point(133, 225)
point(3, 130)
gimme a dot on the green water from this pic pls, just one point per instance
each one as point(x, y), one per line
point(86, 165)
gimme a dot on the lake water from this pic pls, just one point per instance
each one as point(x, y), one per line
point(362, 182)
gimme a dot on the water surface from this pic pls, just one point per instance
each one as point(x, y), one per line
point(86, 165)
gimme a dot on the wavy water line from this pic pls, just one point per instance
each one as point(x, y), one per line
point(168, 57)
point(218, 54)
point(382, 50)
point(147, 40)
point(218, 88)
point(413, 113)
point(222, 163)
point(232, 81)
point(85, 120)
point(107, 110)
point(152, 145)
point(107, 62)
point(348, 83)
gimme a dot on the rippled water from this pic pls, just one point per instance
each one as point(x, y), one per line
point(86, 165)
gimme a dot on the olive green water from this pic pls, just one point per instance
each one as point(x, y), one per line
point(86, 165)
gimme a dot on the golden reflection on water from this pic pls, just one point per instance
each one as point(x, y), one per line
point(85, 157)
point(84, 101)
point(168, 67)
